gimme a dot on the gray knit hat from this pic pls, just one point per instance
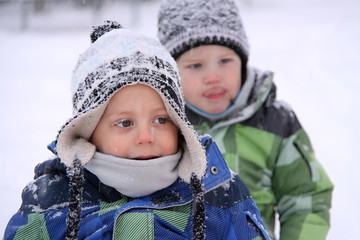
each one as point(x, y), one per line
point(185, 24)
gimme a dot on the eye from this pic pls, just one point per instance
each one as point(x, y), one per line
point(161, 120)
point(124, 123)
point(195, 66)
point(224, 60)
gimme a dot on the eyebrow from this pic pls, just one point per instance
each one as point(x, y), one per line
point(190, 61)
point(118, 114)
point(230, 54)
point(160, 109)
point(130, 112)
point(195, 59)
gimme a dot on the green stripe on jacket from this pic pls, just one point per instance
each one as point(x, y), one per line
point(283, 176)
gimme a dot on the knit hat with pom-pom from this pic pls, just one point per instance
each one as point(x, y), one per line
point(186, 24)
point(117, 58)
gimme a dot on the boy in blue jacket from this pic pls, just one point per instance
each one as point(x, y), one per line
point(128, 164)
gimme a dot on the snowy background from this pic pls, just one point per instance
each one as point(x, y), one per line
point(312, 45)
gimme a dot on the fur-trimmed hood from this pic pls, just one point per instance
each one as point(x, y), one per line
point(117, 58)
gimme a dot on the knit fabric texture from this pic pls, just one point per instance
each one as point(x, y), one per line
point(185, 24)
point(117, 58)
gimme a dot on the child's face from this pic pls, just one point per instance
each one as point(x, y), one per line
point(136, 125)
point(210, 77)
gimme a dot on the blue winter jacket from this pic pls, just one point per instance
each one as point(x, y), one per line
point(230, 211)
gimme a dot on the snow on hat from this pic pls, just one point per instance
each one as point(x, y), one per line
point(186, 24)
point(117, 58)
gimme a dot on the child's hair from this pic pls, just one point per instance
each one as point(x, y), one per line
point(187, 24)
point(115, 59)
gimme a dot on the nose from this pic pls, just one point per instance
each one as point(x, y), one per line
point(212, 75)
point(145, 135)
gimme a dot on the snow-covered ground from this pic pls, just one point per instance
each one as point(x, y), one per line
point(312, 45)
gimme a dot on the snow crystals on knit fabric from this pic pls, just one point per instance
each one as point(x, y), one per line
point(185, 24)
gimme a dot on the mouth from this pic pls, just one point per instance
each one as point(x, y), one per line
point(215, 93)
point(145, 157)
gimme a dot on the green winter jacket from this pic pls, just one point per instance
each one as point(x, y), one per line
point(263, 141)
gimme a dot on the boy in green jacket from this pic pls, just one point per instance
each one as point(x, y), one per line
point(260, 137)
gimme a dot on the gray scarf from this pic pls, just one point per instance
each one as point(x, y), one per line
point(135, 178)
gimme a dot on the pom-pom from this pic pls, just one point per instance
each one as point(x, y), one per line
point(103, 28)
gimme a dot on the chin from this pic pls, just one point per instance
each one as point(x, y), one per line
point(216, 111)
point(217, 108)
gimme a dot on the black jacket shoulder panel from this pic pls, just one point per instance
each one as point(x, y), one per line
point(51, 166)
point(275, 117)
point(50, 188)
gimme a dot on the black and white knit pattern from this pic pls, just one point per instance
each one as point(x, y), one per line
point(101, 29)
point(87, 96)
point(76, 182)
point(185, 24)
point(115, 59)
